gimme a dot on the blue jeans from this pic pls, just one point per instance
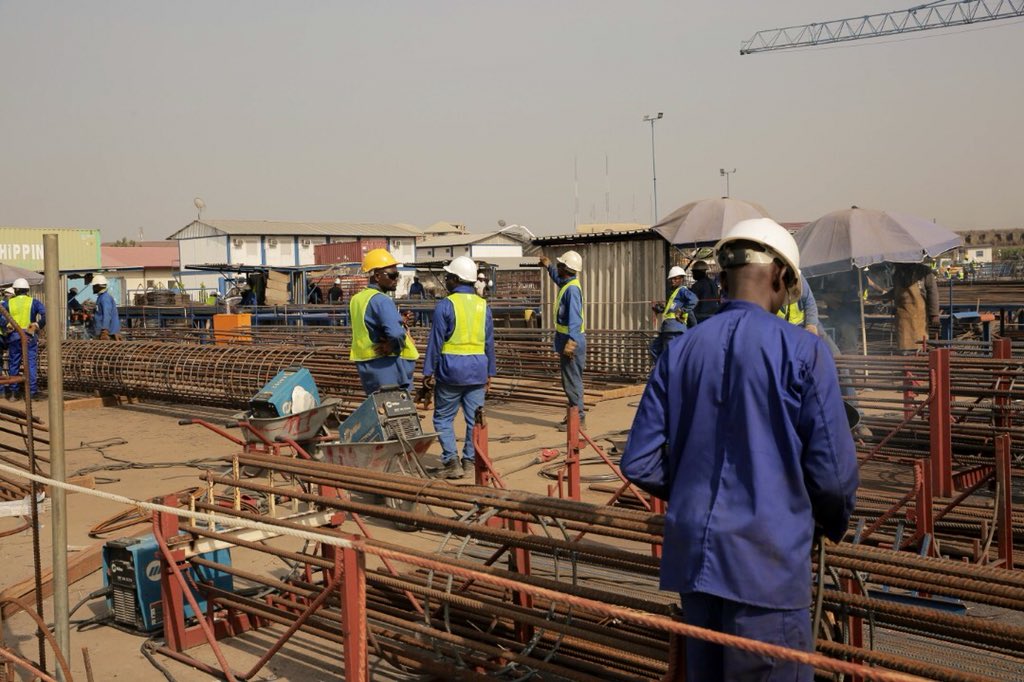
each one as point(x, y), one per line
point(572, 377)
point(448, 398)
point(707, 661)
point(661, 342)
point(14, 361)
point(386, 371)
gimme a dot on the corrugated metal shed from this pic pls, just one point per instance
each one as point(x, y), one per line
point(23, 247)
point(622, 274)
point(219, 228)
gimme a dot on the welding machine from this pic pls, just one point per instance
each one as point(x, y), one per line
point(131, 568)
point(388, 414)
point(274, 399)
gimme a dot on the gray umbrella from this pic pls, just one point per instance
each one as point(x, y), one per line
point(9, 273)
point(859, 237)
point(702, 223)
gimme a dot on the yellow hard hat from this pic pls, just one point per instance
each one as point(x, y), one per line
point(378, 258)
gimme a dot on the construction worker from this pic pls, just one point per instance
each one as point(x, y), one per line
point(706, 290)
point(804, 311)
point(74, 305)
point(754, 471)
point(459, 363)
point(570, 327)
point(30, 314)
point(676, 313)
point(313, 293)
point(248, 295)
point(381, 347)
point(106, 324)
point(336, 294)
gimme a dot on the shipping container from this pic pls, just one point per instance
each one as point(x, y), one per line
point(346, 252)
point(23, 247)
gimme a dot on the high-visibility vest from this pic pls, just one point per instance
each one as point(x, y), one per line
point(362, 345)
point(470, 331)
point(792, 312)
point(21, 310)
point(668, 314)
point(564, 328)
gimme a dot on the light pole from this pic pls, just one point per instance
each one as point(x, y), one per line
point(651, 118)
point(725, 174)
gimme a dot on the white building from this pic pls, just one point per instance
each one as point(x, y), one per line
point(503, 244)
point(275, 243)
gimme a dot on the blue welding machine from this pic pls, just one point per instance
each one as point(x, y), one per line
point(274, 399)
point(131, 567)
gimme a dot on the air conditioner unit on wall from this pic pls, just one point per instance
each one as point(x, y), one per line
point(237, 243)
point(271, 242)
point(306, 242)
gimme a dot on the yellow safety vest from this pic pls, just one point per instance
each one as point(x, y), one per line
point(362, 345)
point(21, 310)
point(668, 314)
point(564, 328)
point(470, 326)
point(792, 313)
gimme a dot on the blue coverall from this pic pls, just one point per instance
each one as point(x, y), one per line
point(460, 380)
point(106, 316)
point(672, 327)
point(37, 314)
point(570, 314)
point(384, 323)
point(742, 430)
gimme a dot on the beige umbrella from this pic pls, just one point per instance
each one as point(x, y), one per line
point(702, 223)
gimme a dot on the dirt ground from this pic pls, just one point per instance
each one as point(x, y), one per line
point(148, 436)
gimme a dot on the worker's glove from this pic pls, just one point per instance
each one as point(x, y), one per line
point(104, 335)
point(407, 318)
point(569, 350)
point(382, 348)
point(659, 308)
point(424, 396)
point(428, 382)
point(812, 329)
point(544, 261)
point(32, 328)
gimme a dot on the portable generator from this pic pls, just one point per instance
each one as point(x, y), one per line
point(131, 568)
point(274, 399)
point(388, 414)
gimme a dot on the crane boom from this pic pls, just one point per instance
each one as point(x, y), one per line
point(920, 18)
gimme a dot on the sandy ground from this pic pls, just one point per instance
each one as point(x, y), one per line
point(151, 436)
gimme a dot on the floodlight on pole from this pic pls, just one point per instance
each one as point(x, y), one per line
point(725, 174)
point(651, 118)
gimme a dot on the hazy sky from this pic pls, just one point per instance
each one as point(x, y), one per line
point(114, 115)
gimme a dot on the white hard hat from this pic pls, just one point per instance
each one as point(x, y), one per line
point(676, 271)
point(20, 283)
point(9, 291)
point(778, 242)
point(571, 260)
point(337, 280)
point(245, 286)
point(462, 267)
point(99, 280)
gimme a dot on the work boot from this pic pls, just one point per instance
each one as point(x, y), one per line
point(452, 470)
point(563, 426)
point(469, 468)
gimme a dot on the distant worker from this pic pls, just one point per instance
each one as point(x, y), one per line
point(570, 327)
point(106, 324)
point(248, 295)
point(8, 293)
point(74, 305)
point(480, 286)
point(418, 293)
point(30, 314)
point(459, 363)
point(675, 314)
point(313, 293)
point(804, 311)
point(381, 346)
point(336, 294)
point(915, 294)
point(754, 472)
point(706, 290)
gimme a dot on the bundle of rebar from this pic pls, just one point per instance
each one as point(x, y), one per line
point(423, 619)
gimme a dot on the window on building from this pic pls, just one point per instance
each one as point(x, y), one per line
point(979, 253)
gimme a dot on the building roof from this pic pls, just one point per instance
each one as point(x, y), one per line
point(433, 242)
point(595, 237)
point(588, 228)
point(444, 227)
point(113, 257)
point(216, 228)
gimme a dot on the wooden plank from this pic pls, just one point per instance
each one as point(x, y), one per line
point(83, 564)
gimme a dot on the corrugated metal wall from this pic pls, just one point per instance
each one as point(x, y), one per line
point(619, 280)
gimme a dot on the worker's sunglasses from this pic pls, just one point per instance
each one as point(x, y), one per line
point(390, 275)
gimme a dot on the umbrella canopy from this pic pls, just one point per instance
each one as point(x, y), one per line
point(859, 237)
point(702, 223)
point(9, 273)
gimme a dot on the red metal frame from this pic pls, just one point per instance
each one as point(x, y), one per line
point(940, 422)
point(1004, 518)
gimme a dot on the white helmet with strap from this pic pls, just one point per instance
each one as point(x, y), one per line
point(777, 242)
point(676, 271)
point(462, 267)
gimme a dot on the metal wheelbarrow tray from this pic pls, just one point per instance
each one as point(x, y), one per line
point(299, 427)
point(384, 456)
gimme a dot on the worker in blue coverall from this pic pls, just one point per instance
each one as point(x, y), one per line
point(676, 314)
point(742, 430)
point(570, 328)
point(381, 348)
point(705, 288)
point(30, 314)
point(460, 362)
point(106, 324)
point(804, 314)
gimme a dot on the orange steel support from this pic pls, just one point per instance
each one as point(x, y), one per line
point(1004, 517)
point(572, 452)
point(658, 506)
point(353, 615)
point(940, 420)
